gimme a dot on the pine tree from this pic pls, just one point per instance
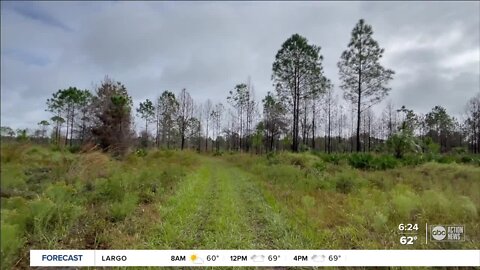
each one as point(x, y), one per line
point(363, 79)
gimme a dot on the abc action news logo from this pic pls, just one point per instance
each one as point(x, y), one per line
point(447, 233)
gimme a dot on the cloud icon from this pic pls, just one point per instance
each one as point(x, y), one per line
point(318, 258)
point(195, 259)
point(258, 258)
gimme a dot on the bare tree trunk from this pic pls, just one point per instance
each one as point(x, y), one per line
point(71, 126)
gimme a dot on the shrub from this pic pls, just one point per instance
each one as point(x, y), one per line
point(385, 162)
point(109, 190)
point(434, 202)
point(120, 210)
point(12, 241)
point(413, 160)
point(445, 159)
point(272, 158)
point(51, 221)
point(345, 183)
point(429, 146)
point(75, 148)
point(304, 148)
point(404, 201)
point(319, 166)
point(379, 221)
point(297, 160)
point(132, 159)
point(141, 152)
point(91, 166)
point(361, 161)
point(13, 152)
point(60, 193)
point(466, 159)
point(217, 153)
point(13, 179)
point(401, 143)
point(468, 208)
point(304, 160)
point(148, 185)
point(333, 158)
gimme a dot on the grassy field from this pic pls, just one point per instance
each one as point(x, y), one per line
point(52, 199)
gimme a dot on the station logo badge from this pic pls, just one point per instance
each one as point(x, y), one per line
point(447, 233)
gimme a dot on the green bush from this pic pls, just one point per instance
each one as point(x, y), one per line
point(17, 212)
point(141, 152)
point(75, 148)
point(466, 159)
point(379, 221)
point(468, 208)
point(299, 160)
point(405, 202)
point(319, 166)
point(362, 161)
point(51, 221)
point(13, 152)
point(345, 183)
point(401, 143)
point(434, 203)
point(148, 185)
point(384, 162)
point(333, 158)
point(13, 179)
point(120, 210)
point(109, 190)
point(60, 193)
point(445, 159)
point(413, 160)
point(217, 153)
point(12, 240)
point(429, 146)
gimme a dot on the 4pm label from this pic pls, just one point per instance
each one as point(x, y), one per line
point(447, 233)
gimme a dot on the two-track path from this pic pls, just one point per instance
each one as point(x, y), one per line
point(220, 206)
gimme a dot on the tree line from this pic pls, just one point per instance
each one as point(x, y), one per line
point(301, 113)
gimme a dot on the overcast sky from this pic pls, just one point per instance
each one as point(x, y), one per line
point(208, 47)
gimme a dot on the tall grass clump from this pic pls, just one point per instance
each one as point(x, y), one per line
point(55, 214)
point(109, 190)
point(12, 240)
point(466, 208)
point(405, 201)
point(119, 210)
point(435, 204)
point(282, 174)
point(303, 160)
point(12, 179)
point(91, 166)
point(347, 182)
point(13, 152)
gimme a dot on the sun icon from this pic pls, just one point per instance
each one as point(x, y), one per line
point(195, 259)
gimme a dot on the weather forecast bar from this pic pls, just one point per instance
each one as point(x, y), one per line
point(54, 258)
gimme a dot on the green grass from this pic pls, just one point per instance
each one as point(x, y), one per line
point(183, 200)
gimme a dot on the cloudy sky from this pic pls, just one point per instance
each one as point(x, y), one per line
point(208, 47)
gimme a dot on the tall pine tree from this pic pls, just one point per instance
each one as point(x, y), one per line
point(363, 79)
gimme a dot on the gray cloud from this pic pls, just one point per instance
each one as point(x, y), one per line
point(208, 47)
